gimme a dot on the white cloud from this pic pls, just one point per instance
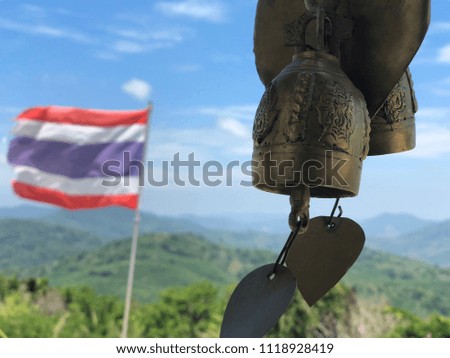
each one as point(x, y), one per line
point(136, 41)
point(43, 30)
point(243, 112)
point(188, 68)
point(128, 47)
point(444, 54)
point(440, 26)
point(208, 143)
point(209, 10)
point(3, 142)
point(172, 35)
point(438, 87)
point(65, 12)
point(131, 47)
point(225, 137)
point(433, 113)
point(106, 55)
point(441, 92)
point(35, 10)
point(166, 35)
point(138, 89)
point(225, 58)
point(433, 133)
point(433, 141)
point(10, 110)
point(234, 127)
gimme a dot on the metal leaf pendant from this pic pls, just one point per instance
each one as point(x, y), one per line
point(258, 302)
point(320, 257)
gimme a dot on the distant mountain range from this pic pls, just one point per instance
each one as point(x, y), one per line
point(384, 225)
point(393, 225)
point(25, 212)
point(399, 234)
point(69, 254)
point(429, 244)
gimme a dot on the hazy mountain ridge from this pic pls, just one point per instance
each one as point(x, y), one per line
point(389, 225)
point(430, 244)
point(25, 212)
point(399, 234)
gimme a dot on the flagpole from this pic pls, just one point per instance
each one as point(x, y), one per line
point(134, 242)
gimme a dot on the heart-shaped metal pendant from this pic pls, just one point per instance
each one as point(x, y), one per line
point(386, 36)
point(320, 257)
point(258, 302)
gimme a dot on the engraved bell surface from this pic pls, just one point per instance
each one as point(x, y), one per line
point(311, 128)
point(393, 127)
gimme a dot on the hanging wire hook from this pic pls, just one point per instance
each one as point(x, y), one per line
point(287, 246)
point(336, 206)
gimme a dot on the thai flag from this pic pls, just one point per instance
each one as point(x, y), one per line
point(59, 156)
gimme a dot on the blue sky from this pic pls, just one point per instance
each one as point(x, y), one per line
point(194, 60)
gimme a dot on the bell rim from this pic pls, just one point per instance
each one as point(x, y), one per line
point(329, 188)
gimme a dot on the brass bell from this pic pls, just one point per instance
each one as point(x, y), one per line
point(393, 127)
point(312, 126)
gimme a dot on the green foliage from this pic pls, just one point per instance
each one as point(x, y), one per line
point(189, 312)
point(29, 308)
point(27, 243)
point(194, 311)
point(322, 320)
point(413, 327)
point(19, 315)
point(412, 285)
point(163, 260)
point(89, 315)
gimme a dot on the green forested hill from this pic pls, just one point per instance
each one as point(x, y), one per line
point(112, 224)
point(166, 260)
point(398, 234)
point(163, 260)
point(406, 283)
point(28, 243)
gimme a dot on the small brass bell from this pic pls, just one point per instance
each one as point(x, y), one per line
point(393, 127)
point(312, 125)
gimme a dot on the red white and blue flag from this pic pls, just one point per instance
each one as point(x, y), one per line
point(58, 155)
